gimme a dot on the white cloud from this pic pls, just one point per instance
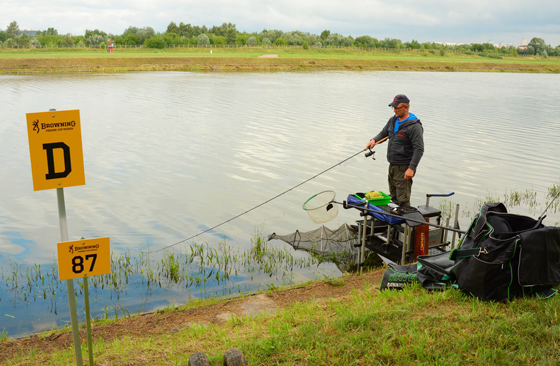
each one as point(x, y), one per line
point(425, 20)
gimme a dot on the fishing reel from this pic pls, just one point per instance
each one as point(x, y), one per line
point(370, 153)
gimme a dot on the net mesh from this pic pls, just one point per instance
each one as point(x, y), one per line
point(331, 245)
point(320, 208)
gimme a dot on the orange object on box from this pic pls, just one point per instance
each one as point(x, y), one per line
point(421, 239)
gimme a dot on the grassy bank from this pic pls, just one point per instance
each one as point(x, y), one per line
point(33, 61)
point(364, 327)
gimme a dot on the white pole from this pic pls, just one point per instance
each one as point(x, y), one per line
point(69, 283)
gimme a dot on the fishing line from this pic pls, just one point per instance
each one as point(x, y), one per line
point(257, 206)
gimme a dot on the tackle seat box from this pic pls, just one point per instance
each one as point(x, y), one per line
point(428, 211)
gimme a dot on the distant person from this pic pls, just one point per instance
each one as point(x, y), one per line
point(404, 150)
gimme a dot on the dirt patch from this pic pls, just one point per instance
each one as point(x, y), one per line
point(268, 56)
point(161, 323)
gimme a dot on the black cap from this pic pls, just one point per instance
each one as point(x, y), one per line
point(400, 98)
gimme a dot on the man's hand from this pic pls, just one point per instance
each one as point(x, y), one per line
point(370, 144)
point(409, 173)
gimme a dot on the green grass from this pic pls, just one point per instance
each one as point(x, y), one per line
point(3, 335)
point(356, 54)
point(367, 328)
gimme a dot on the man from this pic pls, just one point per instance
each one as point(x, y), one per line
point(405, 149)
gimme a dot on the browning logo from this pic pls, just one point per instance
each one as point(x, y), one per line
point(36, 125)
point(53, 126)
point(87, 248)
point(71, 249)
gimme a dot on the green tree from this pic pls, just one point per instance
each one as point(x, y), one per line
point(51, 32)
point(95, 32)
point(48, 40)
point(218, 40)
point(173, 28)
point(155, 41)
point(538, 45)
point(271, 34)
point(202, 40)
point(3, 36)
point(231, 35)
point(415, 45)
point(241, 39)
point(34, 43)
point(67, 40)
point(365, 41)
point(80, 41)
point(305, 45)
point(128, 39)
point(23, 40)
point(325, 34)
point(390, 43)
point(293, 38)
point(280, 41)
point(12, 31)
point(95, 40)
point(10, 42)
point(185, 30)
point(251, 41)
point(172, 39)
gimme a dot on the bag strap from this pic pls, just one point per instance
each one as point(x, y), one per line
point(465, 253)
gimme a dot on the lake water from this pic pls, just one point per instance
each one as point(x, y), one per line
point(168, 155)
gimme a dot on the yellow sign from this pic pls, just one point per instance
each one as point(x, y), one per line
point(55, 147)
point(84, 258)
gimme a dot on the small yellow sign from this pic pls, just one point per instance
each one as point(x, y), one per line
point(55, 147)
point(84, 258)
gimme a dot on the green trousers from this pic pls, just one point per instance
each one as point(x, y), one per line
point(400, 189)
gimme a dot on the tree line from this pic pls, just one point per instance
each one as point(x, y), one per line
point(227, 34)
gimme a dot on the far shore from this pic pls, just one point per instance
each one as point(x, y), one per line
point(47, 61)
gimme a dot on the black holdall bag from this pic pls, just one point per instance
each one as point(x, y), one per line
point(504, 256)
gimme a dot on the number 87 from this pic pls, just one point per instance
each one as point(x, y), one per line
point(78, 263)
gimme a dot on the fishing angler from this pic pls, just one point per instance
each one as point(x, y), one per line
point(405, 149)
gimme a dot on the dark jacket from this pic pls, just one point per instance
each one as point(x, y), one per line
point(406, 147)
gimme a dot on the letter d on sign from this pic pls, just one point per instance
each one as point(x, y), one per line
point(52, 174)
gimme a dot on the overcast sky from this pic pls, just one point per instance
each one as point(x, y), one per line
point(459, 21)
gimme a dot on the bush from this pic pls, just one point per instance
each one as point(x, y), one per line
point(156, 41)
point(10, 42)
point(305, 45)
point(252, 41)
point(218, 40)
point(202, 40)
point(318, 45)
point(280, 41)
point(34, 43)
point(266, 41)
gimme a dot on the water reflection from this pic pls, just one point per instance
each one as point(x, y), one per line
point(170, 154)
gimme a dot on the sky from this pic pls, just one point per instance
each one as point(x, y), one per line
point(454, 21)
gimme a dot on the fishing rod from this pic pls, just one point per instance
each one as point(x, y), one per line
point(368, 154)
